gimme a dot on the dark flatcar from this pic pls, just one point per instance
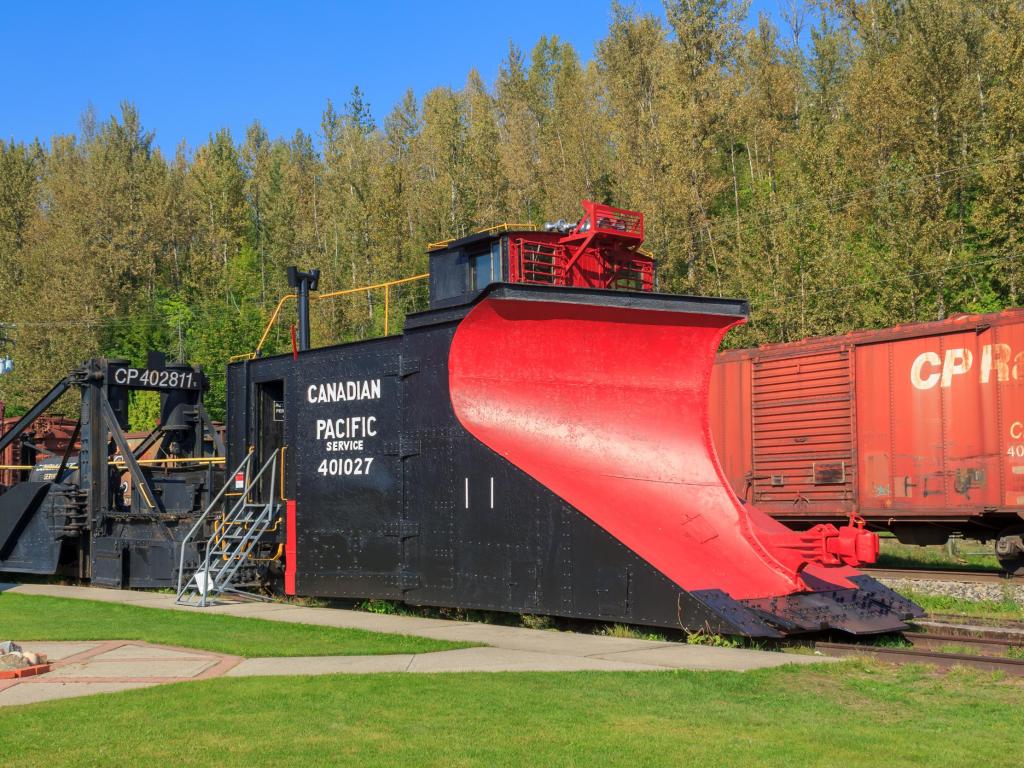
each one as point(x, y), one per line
point(99, 509)
point(918, 429)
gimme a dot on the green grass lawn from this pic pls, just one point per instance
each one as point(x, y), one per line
point(30, 617)
point(850, 715)
point(966, 555)
point(1007, 608)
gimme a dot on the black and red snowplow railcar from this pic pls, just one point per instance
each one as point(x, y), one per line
point(919, 429)
point(538, 442)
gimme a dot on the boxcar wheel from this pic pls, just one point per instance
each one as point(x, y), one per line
point(1010, 549)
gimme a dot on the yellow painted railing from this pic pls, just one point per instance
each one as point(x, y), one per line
point(486, 230)
point(386, 287)
point(140, 462)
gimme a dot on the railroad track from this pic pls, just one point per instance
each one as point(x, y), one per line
point(966, 577)
point(972, 625)
point(990, 652)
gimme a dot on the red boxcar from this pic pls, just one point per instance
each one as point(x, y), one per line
point(919, 429)
point(49, 435)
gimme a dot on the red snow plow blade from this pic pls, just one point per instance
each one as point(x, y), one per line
point(604, 401)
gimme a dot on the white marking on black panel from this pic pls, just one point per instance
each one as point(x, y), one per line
point(467, 493)
point(492, 493)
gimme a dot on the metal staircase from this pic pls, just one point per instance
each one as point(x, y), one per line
point(236, 534)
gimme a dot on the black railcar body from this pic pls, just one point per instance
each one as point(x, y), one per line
point(388, 496)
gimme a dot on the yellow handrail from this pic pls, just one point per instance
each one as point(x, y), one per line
point(329, 295)
point(266, 330)
point(141, 462)
point(178, 460)
point(496, 228)
point(347, 291)
point(273, 319)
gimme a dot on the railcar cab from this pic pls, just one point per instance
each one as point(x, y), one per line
point(601, 250)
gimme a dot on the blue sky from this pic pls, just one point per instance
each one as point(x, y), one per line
point(193, 67)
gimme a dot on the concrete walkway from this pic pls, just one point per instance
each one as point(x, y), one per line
point(508, 649)
point(84, 668)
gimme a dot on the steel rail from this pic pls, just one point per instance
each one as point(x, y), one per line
point(979, 623)
point(992, 643)
point(1003, 633)
point(1010, 666)
point(923, 574)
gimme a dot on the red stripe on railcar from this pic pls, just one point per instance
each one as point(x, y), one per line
point(290, 548)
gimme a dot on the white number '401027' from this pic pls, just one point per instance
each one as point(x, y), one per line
point(336, 467)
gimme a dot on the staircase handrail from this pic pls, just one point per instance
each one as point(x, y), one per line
point(242, 467)
point(250, 483)
point(235, 557)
